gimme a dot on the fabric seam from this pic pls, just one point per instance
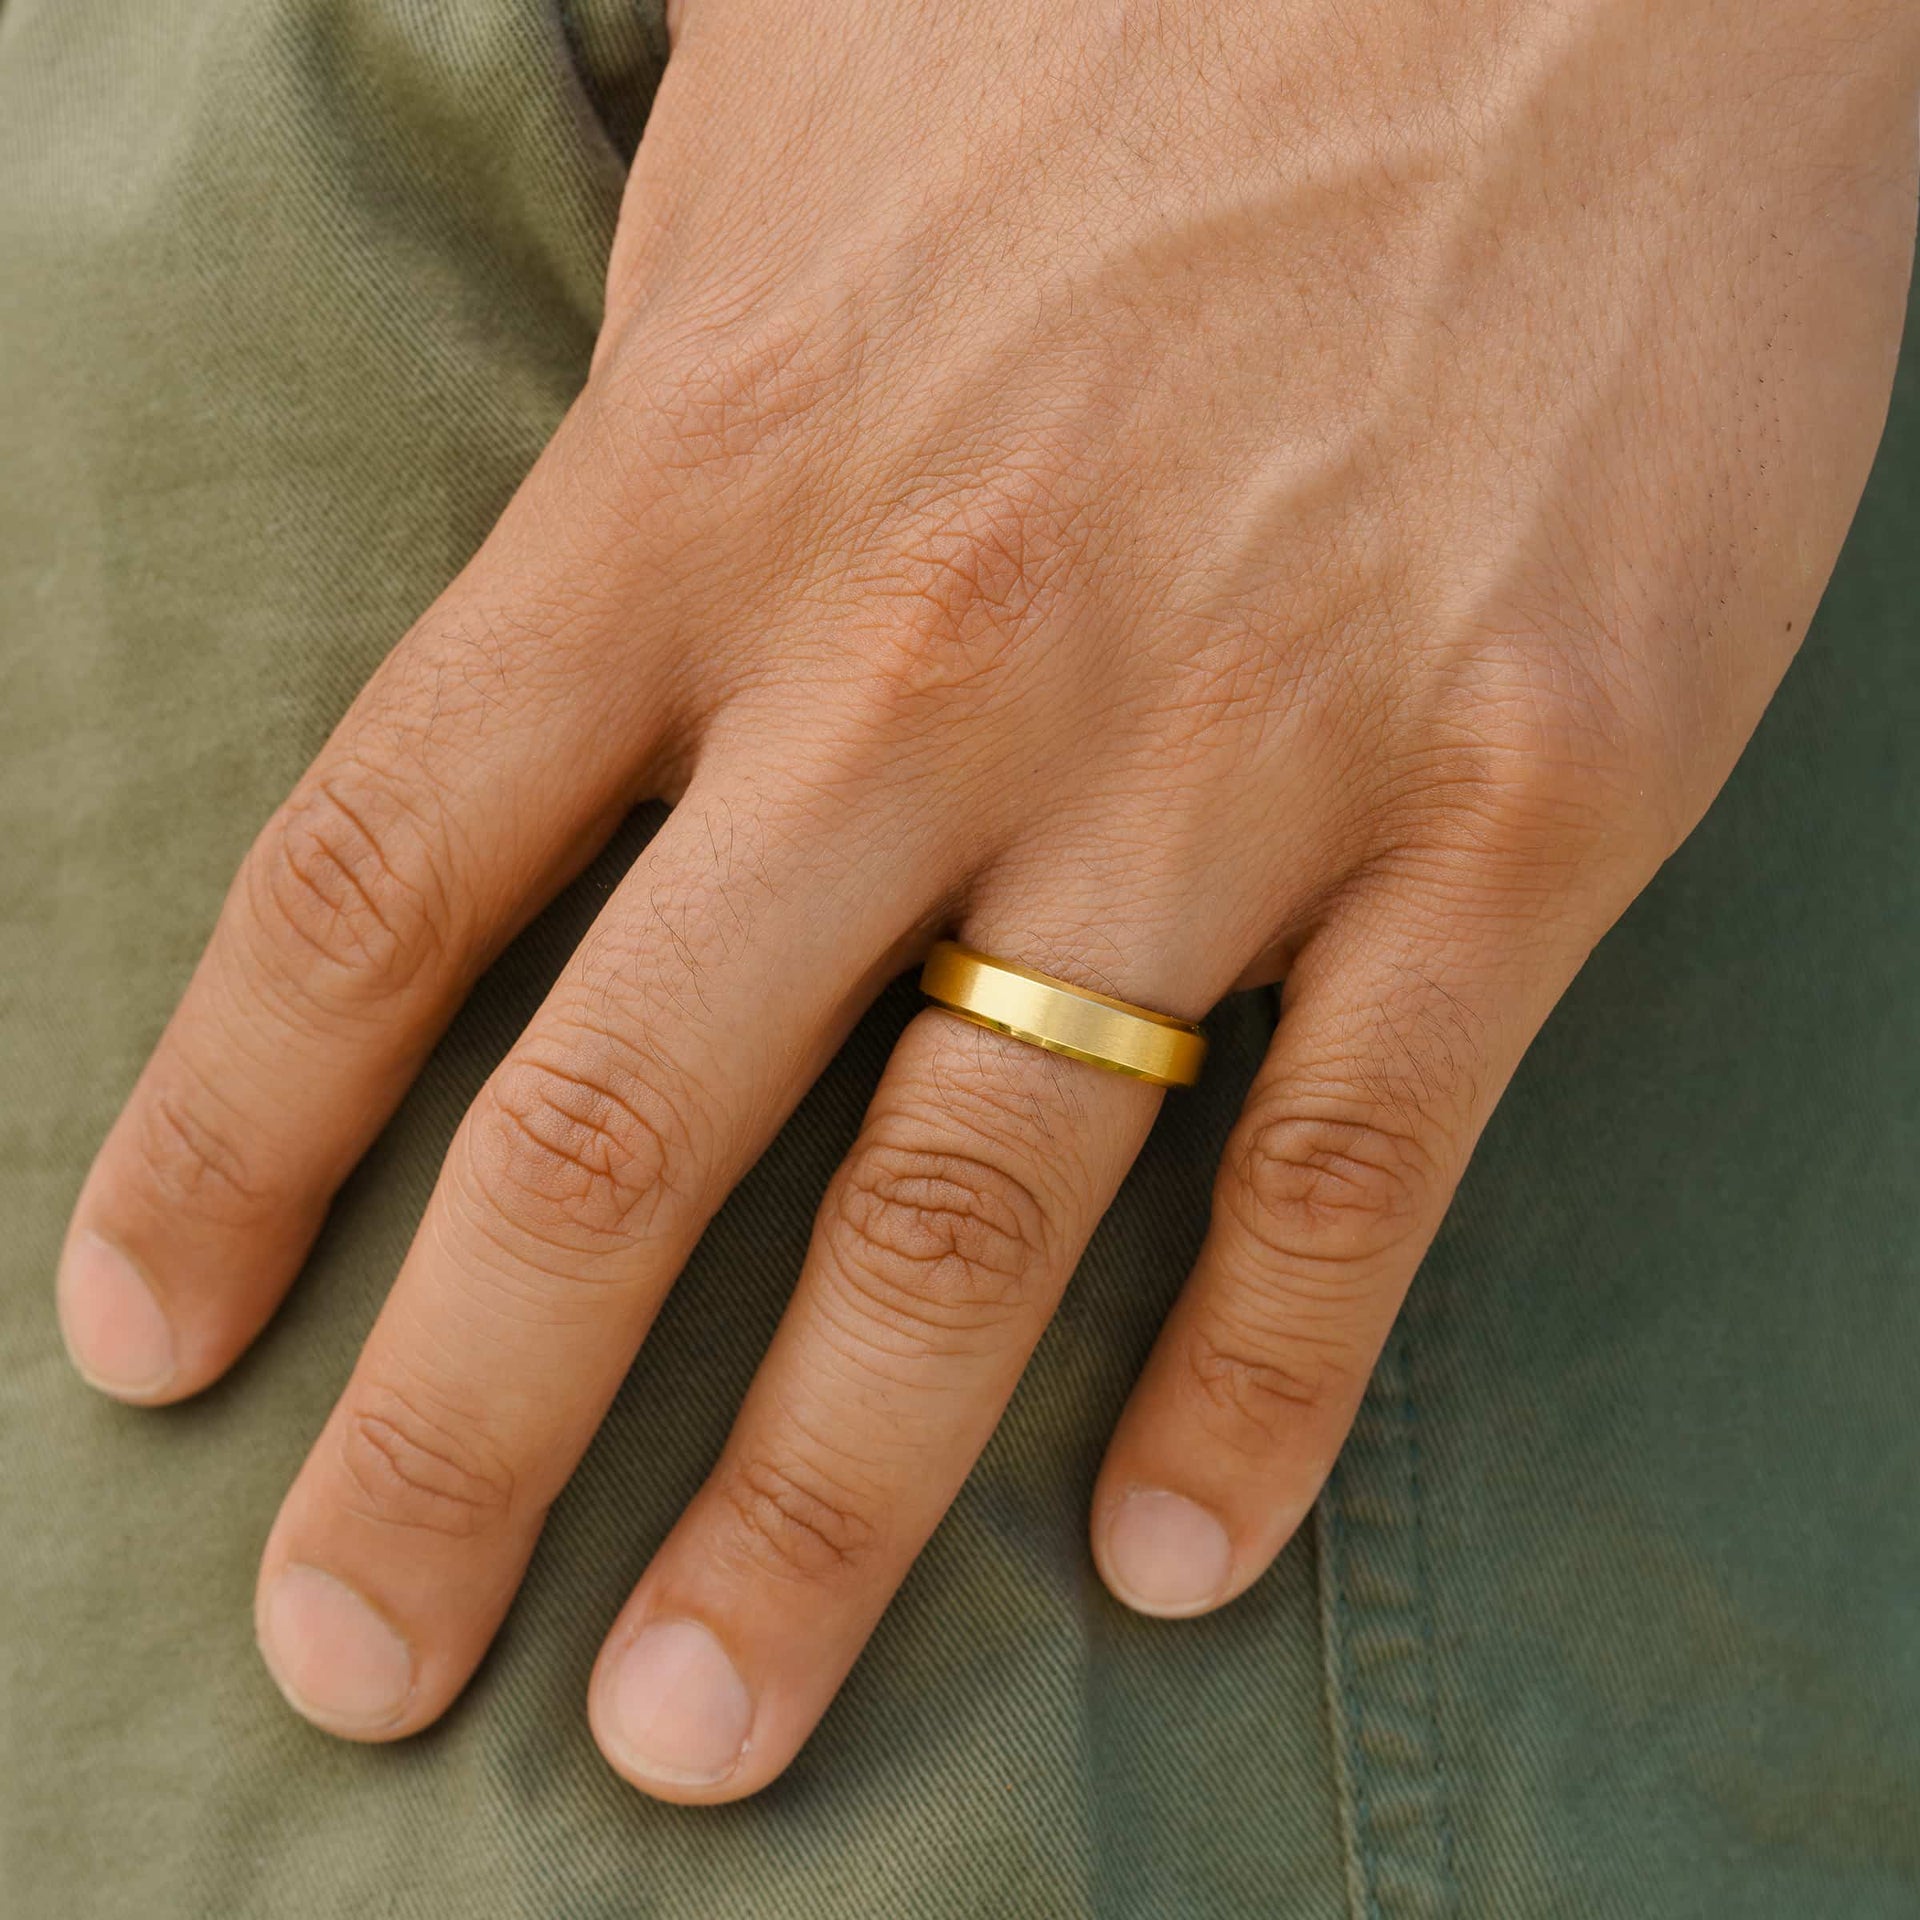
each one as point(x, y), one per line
point(1347, 1789)
point(1380, 1661)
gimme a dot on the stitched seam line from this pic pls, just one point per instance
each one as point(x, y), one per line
point(1377, 1620)
point(1423, 1578)
point(1348, 1789)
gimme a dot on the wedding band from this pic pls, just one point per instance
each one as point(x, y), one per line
point(1075, 1021)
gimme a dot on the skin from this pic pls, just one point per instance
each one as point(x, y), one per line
point(1173, 494)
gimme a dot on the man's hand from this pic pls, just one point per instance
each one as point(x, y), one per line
point(1171, 494)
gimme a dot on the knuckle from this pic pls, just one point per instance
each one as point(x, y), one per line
point(974, 574)
point(1543, 754)
point(343, 890)
point(577, 1155)
point(716, 396)
point(193, 1163)
point(986, 554)
point(795, 1521)
point(940, 1245)
point(1255, 1394)
point(1323, 1192)
point(408, 1465)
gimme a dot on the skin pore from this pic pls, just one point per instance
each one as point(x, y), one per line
point(1169, 492)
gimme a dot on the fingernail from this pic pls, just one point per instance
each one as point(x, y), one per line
point(679, 1711)
point(1165, 1555)
point(335, 1659)
point(116, 1334)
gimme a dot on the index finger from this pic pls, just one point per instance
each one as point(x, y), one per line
point(472, 777)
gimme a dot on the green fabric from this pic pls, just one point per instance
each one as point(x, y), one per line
point(1614, 1606)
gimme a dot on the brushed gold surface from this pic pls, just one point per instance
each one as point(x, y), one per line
point(1069, 1020)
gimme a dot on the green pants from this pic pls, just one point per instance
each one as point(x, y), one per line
point(1613, 1606)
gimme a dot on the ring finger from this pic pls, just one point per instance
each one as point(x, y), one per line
point(937, 1259)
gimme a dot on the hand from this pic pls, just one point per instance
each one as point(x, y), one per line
point(1169, 494)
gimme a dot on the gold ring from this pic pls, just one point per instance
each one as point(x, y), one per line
point(1075, 1021)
